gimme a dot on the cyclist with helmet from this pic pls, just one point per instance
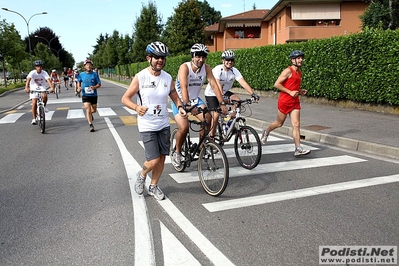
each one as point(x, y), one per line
point(289, 83)
point(152, 86)
point(190, 79)
point(225, 74)
point(90, 82)
point(38, 77)
point(55, 79)
point(75, 79)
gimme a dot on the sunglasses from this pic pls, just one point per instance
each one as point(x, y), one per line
point(159, 57)
point(229, 59)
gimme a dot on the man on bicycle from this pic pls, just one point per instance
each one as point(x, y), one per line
point(55, 79)
point(225, 75)
point(190, 79)
point(35, 78)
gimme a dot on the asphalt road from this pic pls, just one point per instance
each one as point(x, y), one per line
point(66, 198)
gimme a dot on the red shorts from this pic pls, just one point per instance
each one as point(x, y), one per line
point(287, 107)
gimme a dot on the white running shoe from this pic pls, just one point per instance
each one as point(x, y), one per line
point(34, 122)
point(300, 151)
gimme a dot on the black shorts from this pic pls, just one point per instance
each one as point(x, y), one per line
point(90, 99)
point(212, 101)
point(65, 78)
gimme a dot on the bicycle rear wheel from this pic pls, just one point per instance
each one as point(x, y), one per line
point(182, 166)
point(56, 91)
point(247, 147)
point(213, 169)
point(42, 119)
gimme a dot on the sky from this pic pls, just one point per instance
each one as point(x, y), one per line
point(78, 24)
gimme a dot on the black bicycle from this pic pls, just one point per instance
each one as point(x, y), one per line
point(213, 166)
point(247, 145)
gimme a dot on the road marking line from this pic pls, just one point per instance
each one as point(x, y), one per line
point(10, 118)
point(214, 255)
point(174, 252)
point(62, 108)
point(299, 193)
point(129, 120)
point(49, 115)
point(105, 111)
point(186, 177)
point(144, 249)
point(65, 100)
point(75, 113)
point(130, 111)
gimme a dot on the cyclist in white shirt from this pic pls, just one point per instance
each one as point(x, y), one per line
point(35, 78)
point(225, 75)
point(152, 86)
point(190, 79)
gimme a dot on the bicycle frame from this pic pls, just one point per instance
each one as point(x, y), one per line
point(40, 113)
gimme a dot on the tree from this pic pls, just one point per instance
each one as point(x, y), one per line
point(382, 14)
point(208, 14)
point(185, 27)
point(147, 28)
point(43, 53)
point(12, 49)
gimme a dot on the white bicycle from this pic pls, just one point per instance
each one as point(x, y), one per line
point(40, 112)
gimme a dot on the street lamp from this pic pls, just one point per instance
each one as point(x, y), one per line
point(27, 25)
point(57, 51)
point(49, 42)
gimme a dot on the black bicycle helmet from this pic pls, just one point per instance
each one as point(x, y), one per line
point(157, 48)
point(199, 49)
point(39, 63)
point(296, 53)
point(228, 55)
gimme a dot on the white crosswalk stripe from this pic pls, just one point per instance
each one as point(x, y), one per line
point(10, 118)
point(75, 113)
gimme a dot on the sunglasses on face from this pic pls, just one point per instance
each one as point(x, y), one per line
point(229, 60)
point(159, 57)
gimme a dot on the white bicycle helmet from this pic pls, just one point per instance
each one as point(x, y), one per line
point(228, 54)
point(53, 70)
point(199, 49)
point(157, 48)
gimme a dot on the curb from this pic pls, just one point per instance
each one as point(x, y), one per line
point(347, 143)
point(12, 108)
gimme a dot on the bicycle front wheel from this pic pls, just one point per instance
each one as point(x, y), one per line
point(247, 147)
point(213, 169)
point(56, 91)
point(42, 119)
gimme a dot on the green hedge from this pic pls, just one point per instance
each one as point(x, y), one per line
point(358, 67)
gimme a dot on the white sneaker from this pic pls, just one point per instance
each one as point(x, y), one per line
point(176, 159)
point(34, 122)
point(300, 151)
point(264, 137)
point(45, 109)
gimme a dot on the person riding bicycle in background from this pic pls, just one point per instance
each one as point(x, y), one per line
point(190, 79)
point(90, 82)
point(225, 75)
point(55, 78)
point(35, 78)
point(64, 74)
point(289, 85)
point(152, 86)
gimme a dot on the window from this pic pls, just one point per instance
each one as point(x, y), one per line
point(239, 34)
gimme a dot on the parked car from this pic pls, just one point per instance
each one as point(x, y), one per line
point(9, 75)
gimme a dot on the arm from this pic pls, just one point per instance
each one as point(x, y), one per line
point(27, 84)
point(175, 98)
point(182, 76)
point(248, 88)
point(284, 76)
point(127, 97)
point(218, 91)
point(50, 84)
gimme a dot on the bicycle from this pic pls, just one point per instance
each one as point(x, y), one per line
point(247, 144)
point(213, 166)
point(40, 113)
point(57, 88)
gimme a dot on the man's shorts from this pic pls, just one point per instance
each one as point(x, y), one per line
point(65, 78)
point(213, 102)
point(287, 108)
point(90, 99)
point(33, 95)
point(176, 111)
point(156, 143)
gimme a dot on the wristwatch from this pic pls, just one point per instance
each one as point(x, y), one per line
point(222, 103)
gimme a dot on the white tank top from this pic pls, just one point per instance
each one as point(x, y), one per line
point(195, 81)
point(226, 79)
point(153, 93)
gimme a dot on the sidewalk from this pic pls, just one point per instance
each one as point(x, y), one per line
point(363, 131)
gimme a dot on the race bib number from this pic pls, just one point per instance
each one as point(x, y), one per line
point(158, 110)
point(88, 90)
